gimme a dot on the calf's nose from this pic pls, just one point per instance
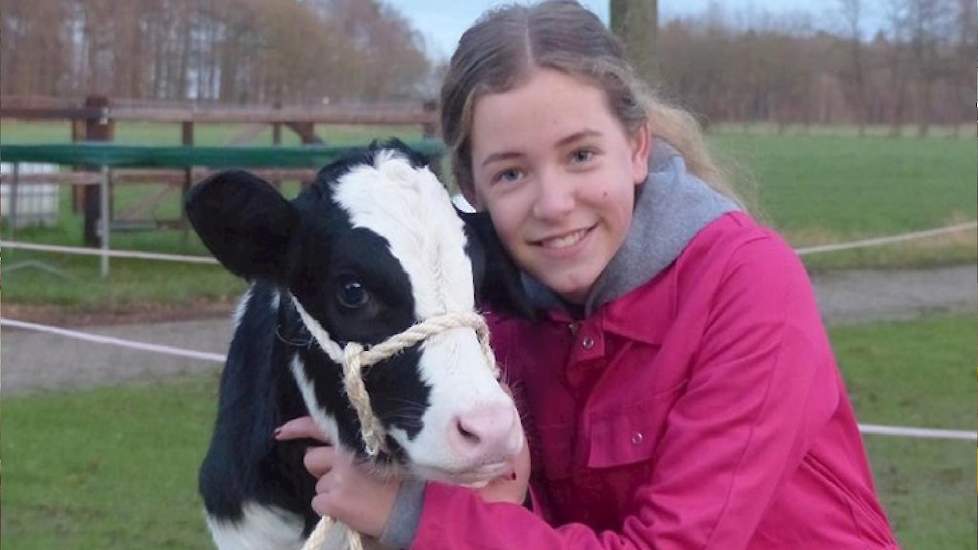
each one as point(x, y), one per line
point(485, 433)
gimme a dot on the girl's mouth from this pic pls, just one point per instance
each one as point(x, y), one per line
point(565, 240)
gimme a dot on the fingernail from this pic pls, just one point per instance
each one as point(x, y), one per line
point(278, 432)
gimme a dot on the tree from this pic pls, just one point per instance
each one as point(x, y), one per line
point(965, 49)
point(635, 22)
point(852, 13)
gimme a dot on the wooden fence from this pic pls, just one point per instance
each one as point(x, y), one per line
point(93, 119)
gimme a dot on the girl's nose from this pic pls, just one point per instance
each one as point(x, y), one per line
point(555, 198)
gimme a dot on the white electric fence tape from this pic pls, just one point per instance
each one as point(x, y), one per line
point(84, 251)
point(864, 243)
point(804, 251)
point(873, 429)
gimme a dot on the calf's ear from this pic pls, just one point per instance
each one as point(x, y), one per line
point(497, 279)
point(245, 222)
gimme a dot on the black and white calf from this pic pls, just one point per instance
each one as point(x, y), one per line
point(371, 248)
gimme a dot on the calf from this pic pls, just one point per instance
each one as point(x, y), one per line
point(368, 250)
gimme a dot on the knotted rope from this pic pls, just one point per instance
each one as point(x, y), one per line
point(354, 358)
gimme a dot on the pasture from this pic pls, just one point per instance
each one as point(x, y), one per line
point(115, 467)
point(816, 189)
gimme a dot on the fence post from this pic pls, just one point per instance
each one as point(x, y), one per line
point(104, 221)
point(187, 139)
point(277, 127)
point(277, 140)
point(430, 127)
point(76, 190)
point(96, 129)
point(429, 130)
point(12, 201)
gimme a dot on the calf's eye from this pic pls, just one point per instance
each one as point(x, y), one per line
point(352, 295)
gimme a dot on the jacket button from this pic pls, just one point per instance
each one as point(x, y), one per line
point(587, 342)
point(637, 438)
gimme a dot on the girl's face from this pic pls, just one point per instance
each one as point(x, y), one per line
point(557, 172)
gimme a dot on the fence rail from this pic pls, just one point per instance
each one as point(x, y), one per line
point(167, 176)
point(107, 157)
point(149, 156)
point(93, 119)
point(108, 110)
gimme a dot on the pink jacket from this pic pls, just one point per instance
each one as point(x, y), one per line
point(703, 409)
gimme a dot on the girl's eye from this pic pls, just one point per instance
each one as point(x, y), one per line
point(582, 155)
point(508, 176)
point(352, 295)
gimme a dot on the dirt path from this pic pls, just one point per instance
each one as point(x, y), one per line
point(35, 361)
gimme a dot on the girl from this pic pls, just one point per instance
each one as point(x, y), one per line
point(679, 389)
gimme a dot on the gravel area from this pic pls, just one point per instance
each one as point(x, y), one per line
point(33, 361)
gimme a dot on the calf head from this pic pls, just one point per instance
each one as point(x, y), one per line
point(371, 248)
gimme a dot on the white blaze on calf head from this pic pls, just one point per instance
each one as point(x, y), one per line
point(470, 422)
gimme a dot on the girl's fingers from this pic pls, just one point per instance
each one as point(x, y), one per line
point(320, 504)
point(323, 485)
point(319, 460)
point(300, 428)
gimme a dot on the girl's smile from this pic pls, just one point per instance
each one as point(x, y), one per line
point(565, 245)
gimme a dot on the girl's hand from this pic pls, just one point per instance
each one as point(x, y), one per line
point(511, 487)
point(345, 491)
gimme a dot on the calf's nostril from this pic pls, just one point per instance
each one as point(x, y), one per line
point(484, 431)
point(468, 435)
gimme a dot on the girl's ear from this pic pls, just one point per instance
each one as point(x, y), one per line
point(641, 143)
point(468, 191)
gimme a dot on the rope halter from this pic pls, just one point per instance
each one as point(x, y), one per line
point(354, 358)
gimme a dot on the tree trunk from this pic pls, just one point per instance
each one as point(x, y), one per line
point(635, 23)
point(924, 112)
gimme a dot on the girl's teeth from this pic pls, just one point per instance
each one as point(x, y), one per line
point(563, 242)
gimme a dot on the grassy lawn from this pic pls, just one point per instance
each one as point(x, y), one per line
point(816, 189)
point(830, 189)
point(115, 467)
point(106, 468)
point(918, 374)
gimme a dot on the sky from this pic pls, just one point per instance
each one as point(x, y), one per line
point(442, 22)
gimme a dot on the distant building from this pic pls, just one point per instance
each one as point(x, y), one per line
point(37, 203)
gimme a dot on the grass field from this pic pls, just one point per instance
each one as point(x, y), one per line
point(918, 374)
point(816, 189)
point(115, 467)
point(827, 189)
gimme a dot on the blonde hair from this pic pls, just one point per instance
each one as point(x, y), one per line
point(500, 51)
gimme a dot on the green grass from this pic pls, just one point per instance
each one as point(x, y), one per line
point(130, 283)
point(852, 187)
point(918, 374)
point(106, 468)
point(828, 189)
point(115, 467)
point(816, 189)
